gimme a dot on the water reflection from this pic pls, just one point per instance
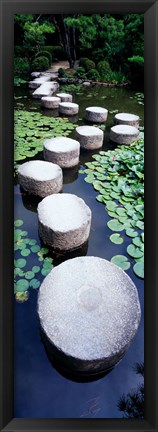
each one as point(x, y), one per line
point(70, 174)
point(132, 405)
point(61, 256)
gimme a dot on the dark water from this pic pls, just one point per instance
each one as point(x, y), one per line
point(41, 390)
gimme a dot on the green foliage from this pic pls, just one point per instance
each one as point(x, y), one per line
point(103, 67)
point(73, 88)
point(57, 52)
point(93, 75)
point(18, 81)
point(44, 54)
point(32, 129)
point(118, 176)
point(114, 77)
point(40, 64)
point(86, 64)
point(61, 72)
point(80, 72)
point(21, 66)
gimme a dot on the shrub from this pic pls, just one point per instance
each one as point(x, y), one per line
point(56, 52)
point(61, 72)
point(19, 51)
point(93, 74)
point(86, 64)
point(114, 77)
point(44, 54)
point(40, 64)
point(21, 66)
point(136, 73)
point(80, 72)
point(103, 67)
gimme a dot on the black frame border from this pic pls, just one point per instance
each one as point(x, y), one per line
point(7, 10)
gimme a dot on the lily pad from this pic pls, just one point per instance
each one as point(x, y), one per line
point(22, 297)
point(21, 262)
point(116, 238)
point(130, 232)
point(18, 223)
point(34, 283)
point(115, 225)
point(121, 261)
point(134, 251)
point(138, 269)
point(21, 285)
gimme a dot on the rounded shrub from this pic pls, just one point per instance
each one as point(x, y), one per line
point(93, 75)
point(21, 66)
point(44, 54)
point(87, 64)
point(40, 64)
point(103, 68)
point(61, 72)
point(80, 72)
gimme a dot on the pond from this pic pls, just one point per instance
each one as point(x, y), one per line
point(42, 390)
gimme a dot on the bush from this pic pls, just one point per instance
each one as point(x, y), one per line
point(56, 52)
point(103, 67)
point(44, 54)
point(114, 77)
point(80, 72)
point(21, 66)
point(136, 73)
point(18, 51)
point(61, 72)
point(93, 74)
point(40, 64)
point(86, 64)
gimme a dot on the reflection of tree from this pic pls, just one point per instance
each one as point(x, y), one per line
point(132, 405)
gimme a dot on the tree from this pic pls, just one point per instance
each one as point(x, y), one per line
point(132, 405)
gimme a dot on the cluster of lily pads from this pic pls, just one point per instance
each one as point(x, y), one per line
point(28, 251)
point(32, 129)
point(72, 88)
point(118, 176)
point(139, 98)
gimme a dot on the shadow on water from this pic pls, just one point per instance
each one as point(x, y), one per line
point(61, 256)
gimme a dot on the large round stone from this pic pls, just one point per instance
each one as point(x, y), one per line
point(90, 137)
point(68, 108)
point(40, 178)
point(127, 119)
point(123, 134)
point(63, 151)
point(64, 221)
point(65, 97)
point(50, 102)
point(96, 114)
point(89, 311)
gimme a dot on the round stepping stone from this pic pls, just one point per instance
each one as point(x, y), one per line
point(65, 97)
point(50, 102)
point(64, 221)
point(127, 119)
point(90, 137)
point(63, 151)
point(40, 178)
point(90, 312)
point(123, 134)
point(68, 108)
point(96, 114)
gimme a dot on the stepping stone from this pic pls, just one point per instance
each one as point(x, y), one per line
point(89, 312)
point(64, 221)
point(40, 178)
point(90, 137)
point(65, 97)
point(86, 83)
point(127, 119)
point(68, 108)
point(35, 74)
point(96, 114)
point(37, 82)
point(50, 102)
point(123, 134)
point(46, 89)
point(63, 151)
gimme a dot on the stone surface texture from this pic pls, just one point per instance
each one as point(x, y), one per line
point(62, 151)
point(35, 74)
point(64, 221)
point(37, 82)
point(65, 97)
point(127, 119)
point(68, 108)
point(96, 114)
point(40, 178)
point(50, 102)
point(90, 312)
point(90, 137)
point(46, 89)
point(123, 134)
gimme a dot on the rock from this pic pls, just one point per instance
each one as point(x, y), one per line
point(65, 97)
point(50, 102)
point(40, 178)
point(64, 221)
point(46, 89)
point(123, 134)
point(127, 119)
point(90, 137)
point(35, 74)
point(89, 311)
point(68, 108)
point(37, 82)
point(86, 83)
point(63, 151)
point(96, 114)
